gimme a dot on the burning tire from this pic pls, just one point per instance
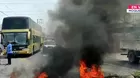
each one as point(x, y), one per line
point(132, 58)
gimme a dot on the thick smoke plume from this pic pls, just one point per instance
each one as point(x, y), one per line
point(83, 32)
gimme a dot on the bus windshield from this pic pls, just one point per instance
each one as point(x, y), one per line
point(15, 38)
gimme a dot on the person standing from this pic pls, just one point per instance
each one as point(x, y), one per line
point(9, 52)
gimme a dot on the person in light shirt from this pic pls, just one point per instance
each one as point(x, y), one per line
point(9, 52)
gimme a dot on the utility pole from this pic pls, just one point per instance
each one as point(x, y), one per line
point(40, 21)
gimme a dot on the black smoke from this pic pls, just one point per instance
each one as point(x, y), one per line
point(91, 54)
point(83, 33)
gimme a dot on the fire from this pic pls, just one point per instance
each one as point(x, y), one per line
point(13, 75)
point(41, 75)
point(95, 72)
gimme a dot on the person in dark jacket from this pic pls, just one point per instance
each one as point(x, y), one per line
point(9, 52)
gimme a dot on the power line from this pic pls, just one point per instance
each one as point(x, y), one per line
point(3, 13)
point(10, 9)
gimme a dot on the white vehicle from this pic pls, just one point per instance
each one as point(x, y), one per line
point(131, 44)
point(50, 43)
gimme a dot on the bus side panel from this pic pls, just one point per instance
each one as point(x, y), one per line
point(30, 46)
point(36, 40)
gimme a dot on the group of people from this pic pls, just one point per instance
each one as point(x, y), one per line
point(9, 51)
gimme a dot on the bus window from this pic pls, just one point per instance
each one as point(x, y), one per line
point(21, 38)
point(15, 23)
point(16, 38)
point(8, 37)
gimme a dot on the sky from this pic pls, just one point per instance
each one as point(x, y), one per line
point(36, 9)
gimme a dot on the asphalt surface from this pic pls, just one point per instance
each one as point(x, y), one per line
point(114, 63)
point(24, 64)
point(118, 64)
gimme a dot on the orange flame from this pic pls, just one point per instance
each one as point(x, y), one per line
point(95, 72)
point(43, 75)
point(13, 75)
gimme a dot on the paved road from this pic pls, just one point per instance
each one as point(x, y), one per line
point(119, 64)
point(114, 63)
point(24, 64)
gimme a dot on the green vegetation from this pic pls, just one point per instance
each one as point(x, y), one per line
point(136, 74)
